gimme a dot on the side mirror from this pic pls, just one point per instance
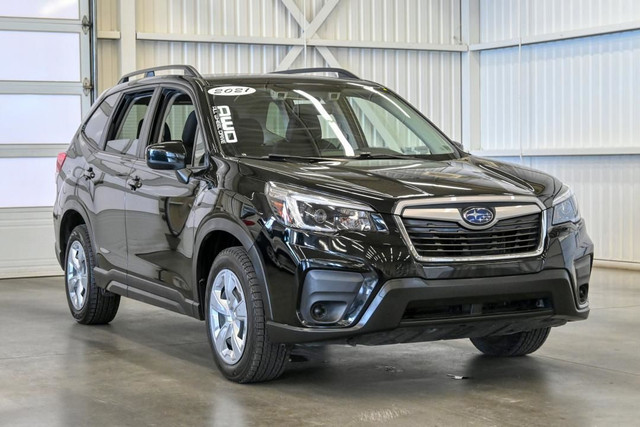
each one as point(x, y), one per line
point(168, 155)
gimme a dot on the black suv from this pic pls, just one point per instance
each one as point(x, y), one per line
point(288, 208)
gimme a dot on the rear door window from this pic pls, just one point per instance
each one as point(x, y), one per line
point(127, 127)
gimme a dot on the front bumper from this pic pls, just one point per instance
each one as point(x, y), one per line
point(385, 320)
point(453, 300)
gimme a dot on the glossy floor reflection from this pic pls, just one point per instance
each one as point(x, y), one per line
point(152, 367)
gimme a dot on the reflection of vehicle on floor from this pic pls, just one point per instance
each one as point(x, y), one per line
point(288, 209)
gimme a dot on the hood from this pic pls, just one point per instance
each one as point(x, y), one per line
point(381, 183)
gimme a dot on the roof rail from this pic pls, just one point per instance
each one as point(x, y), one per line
point(340, 71)
point(150, 72)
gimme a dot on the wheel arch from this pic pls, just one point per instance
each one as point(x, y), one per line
point(214, 236)
point(74, 215)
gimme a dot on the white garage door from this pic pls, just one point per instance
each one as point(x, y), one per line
point(45, 51)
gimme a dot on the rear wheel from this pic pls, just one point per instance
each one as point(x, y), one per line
point(89, 304)
point(236, 324)
point(518, 344)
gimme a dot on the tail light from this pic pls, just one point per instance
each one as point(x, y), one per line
point(60, 161)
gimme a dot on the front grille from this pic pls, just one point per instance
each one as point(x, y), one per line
point(433, 239)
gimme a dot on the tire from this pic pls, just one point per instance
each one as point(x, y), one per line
point(89, 304)
point(243, 352)
point(519, 344)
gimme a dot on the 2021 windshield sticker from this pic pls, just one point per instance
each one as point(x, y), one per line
point(224, 124)
point(231, 90)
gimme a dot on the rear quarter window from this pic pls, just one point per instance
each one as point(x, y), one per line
point(96, 124)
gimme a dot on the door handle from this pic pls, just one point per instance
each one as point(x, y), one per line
point(134, 183)
point(89, 174)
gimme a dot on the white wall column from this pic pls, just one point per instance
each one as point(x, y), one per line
point(470, 31)
point(127, 13)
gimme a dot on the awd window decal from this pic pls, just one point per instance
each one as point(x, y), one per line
point(224, 124)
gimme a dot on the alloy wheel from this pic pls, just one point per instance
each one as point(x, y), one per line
point(228, 316)
point(77, 275)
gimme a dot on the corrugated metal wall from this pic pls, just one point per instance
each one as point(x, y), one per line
point(416, 21)
point(429, 79)
point(264, 18)
point(609, 196)
point(572, 94)
point(510, 19)
point(572, 97)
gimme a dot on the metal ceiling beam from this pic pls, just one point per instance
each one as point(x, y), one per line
point(369, 44)
point(546, 152)
point(108, 35)
point(283, 41)
point(563, 35)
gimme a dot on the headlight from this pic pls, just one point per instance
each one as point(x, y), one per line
point(565, 207)
point(298, 208)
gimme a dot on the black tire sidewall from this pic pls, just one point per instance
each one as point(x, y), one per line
point(513, 345)
point(238, 370)
point(80, 234)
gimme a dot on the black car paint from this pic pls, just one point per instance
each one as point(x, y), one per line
point(149, 231)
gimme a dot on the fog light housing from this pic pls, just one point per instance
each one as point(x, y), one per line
point(360, 300)
point(334, 298)
point(582, 268)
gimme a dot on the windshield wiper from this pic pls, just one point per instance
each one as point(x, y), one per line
point(368, 155)
point(312, 159)
point(285, 157)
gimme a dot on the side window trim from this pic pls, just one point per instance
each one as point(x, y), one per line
point(149, 121)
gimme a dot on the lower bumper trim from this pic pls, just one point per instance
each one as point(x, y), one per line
point(384, 314)
point(449, 331)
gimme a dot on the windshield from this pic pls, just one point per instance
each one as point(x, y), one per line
point(321, 120)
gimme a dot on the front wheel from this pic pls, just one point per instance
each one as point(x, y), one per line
point(236, 323)
point(512, 345)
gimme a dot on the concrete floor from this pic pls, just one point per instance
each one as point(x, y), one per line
point(152, 367)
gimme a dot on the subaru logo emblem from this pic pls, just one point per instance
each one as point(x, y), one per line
point(477, 216)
